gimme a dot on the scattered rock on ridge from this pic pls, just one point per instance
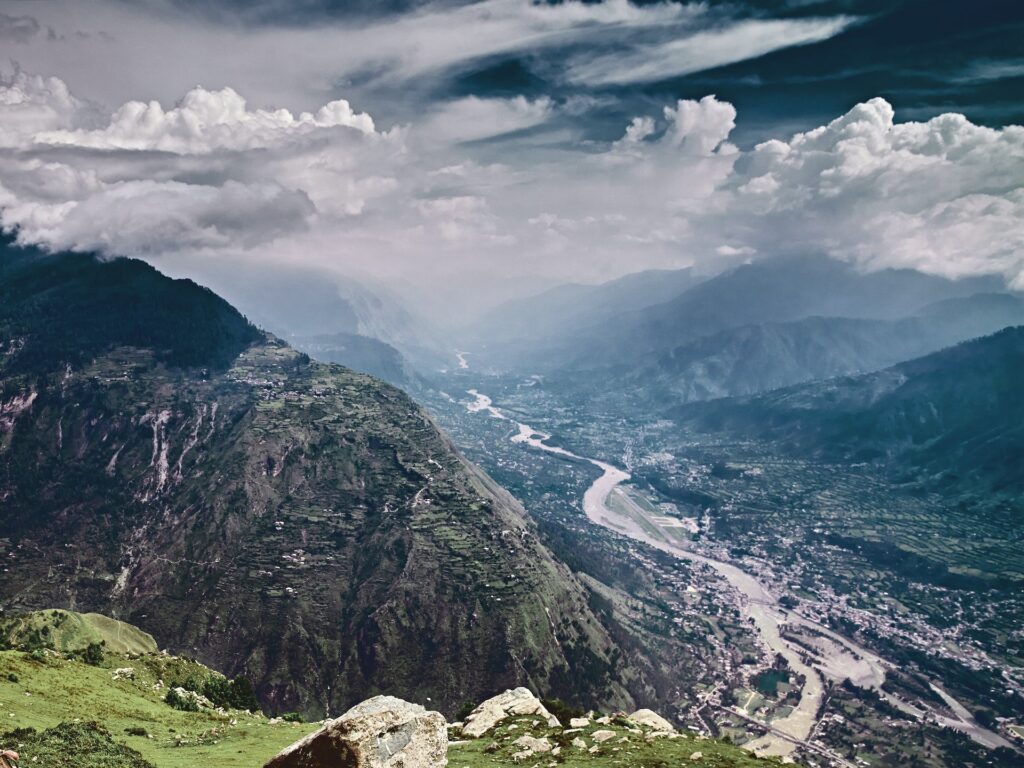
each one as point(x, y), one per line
point(519, 701)
point(382, 732)
point(530, 746)
point(651, 719)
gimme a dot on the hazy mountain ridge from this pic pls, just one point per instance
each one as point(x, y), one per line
point(363, 354)
point(759, 358)
point(198, 502)
point(531, 327)
point(775, 290)
point(298, 303)
point(956, 415)
point(760, 327)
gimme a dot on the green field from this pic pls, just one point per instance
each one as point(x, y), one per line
point(43, 693)
point(70, 631)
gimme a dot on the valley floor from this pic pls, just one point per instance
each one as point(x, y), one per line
point(833, 617)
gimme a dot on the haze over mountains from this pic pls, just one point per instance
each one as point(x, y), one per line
point(955, 417)
point(367, 329)
point(664, 338)
point(645, 353)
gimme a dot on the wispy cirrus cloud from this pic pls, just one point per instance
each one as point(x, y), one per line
point(472, 118)
point(576, 42)
point(703, 49)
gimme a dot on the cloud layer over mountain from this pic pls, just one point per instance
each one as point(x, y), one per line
point(515, 185)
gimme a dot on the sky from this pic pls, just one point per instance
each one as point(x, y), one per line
point(462, 153)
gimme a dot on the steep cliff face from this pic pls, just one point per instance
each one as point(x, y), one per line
point(299, 523)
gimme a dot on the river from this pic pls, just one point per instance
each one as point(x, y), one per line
point(845, 659)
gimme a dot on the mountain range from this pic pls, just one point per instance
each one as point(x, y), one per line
point(953, 417)
point(164, 461)
point(760, 326)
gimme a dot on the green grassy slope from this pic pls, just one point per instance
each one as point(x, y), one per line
point(630, 747)
point(92, 711)
point(72, 631)
point(43, 690)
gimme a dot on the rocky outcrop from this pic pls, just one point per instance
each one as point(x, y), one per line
point(653, 720)
point(382, 732)
point(518, 701)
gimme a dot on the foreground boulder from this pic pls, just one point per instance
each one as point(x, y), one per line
point(519, 701)
point(651, 719)
point(382, 732)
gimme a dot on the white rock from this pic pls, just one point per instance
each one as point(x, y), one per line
point(600, 736)
point(518, 701)
point(197, 698)
point(532, 744)
point(651, 720)
point(382, 732)
point(579, 722)
point(696, 755)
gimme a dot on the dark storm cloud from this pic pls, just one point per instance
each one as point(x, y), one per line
point(22, 29)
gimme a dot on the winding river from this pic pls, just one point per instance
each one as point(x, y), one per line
point(843, 658)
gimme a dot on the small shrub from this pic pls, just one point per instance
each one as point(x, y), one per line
point(564, 712)
point(190, 684)
point(184, 703)
point(231, 694)
point(465, 710)
point(136, 730)
point(292, 717)
point(93, 654)
point(622, 722)
point(12, 677)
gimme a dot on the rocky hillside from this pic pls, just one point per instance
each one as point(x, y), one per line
point(304, 525)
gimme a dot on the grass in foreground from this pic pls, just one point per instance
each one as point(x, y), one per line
point(42, 690)
point(630, 747)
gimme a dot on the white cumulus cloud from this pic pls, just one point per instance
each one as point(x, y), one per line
point(428, 204)
point(208, 172)
point(943, 196)
point(205, 121)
